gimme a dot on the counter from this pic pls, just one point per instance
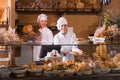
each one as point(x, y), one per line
point(82, 77)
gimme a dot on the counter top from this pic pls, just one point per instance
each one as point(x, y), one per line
point(81, 77)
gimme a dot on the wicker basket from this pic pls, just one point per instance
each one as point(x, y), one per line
point(18, 73)
point(35, 73)
point(5, 63)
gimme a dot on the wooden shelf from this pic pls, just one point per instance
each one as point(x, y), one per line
point(80, 11)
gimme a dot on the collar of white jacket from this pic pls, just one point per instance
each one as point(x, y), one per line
point(61, 21)
point(41, 17)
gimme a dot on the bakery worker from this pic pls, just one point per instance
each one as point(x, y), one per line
point(46, 36)
point(65, 37)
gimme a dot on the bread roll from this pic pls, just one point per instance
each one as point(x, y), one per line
point(80, 5)
point(93, 1)
point(70, 5)
point(63, 4)
point(116, 60)
point(27, 28)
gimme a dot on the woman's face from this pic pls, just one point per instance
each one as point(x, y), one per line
point(43, 23)
point(63, 29)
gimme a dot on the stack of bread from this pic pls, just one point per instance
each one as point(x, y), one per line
point(102, 59)
point(8, 37)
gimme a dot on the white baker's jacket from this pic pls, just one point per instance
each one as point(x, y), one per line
point(47, 38)
point(69, 38)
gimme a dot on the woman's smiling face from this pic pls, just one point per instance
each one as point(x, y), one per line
point(43, 23)
point(63, 29)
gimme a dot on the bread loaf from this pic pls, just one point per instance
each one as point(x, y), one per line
point(116, 60)
point(93, 1)
point(80, 5)
point(63, 4)
point(70, 5)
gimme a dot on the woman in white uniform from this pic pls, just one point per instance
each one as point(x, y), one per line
point(66, 37)
point(46, 36)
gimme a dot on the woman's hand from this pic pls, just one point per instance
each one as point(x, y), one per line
point(80, 52)
point(64, 52)
point(38, 38)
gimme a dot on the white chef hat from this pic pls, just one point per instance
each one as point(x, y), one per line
point(41, 17)
point(60, 22)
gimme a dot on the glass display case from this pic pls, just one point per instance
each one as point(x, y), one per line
point(108, 73)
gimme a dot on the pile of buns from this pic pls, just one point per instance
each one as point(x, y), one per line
point(33, 66)
point(72, 66)
point(102, 51)
point(8, 37)
point(68, 65)
point(102, 59)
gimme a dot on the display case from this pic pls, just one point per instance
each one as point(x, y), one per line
point(22, 72)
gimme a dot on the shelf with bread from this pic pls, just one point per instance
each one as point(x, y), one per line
point(59, 6)
point(85, 10)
